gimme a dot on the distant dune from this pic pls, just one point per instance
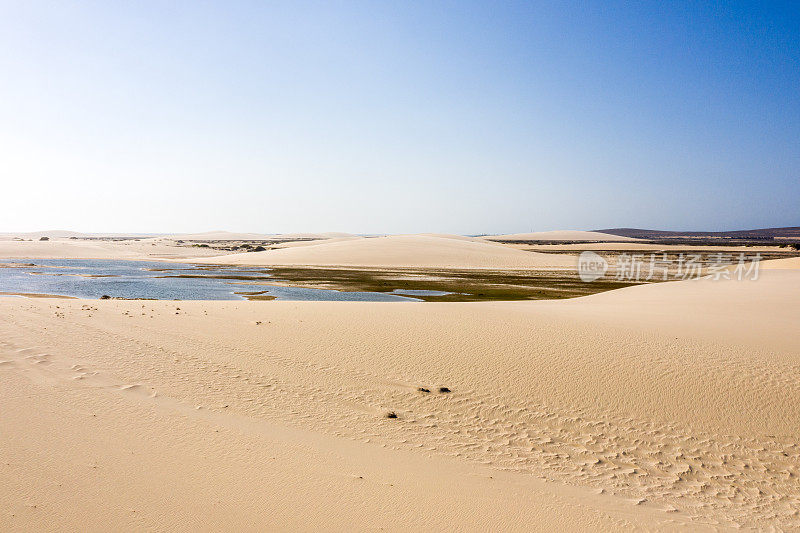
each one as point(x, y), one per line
point(146, 248)
point(790, 263)
point(219, 236)
point(52, 234)
point(323, 235)
point(313, 241)
point(645, 246)
point(402, 251)
point(765, 233)
point(559, 235)
point(452, 236)
point(65, 234)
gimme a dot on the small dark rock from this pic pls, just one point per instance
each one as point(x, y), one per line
point(391, 414)
point(444, 389)
point(423, 389)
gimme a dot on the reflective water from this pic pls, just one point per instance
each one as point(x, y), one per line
point(93, 278)
point(420, 292)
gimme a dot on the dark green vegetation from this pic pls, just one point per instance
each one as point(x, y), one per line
point(462, 285)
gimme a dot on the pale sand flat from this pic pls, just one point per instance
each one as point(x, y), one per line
point(664, 406)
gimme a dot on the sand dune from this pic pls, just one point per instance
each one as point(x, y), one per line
point(790, 263)
point(322, 235)
point(403, 251)
point(46, 233)
point(643, 246)
point(148, 248)
point(560, 235)
point(452, 236)
point(232, 236)
point(219, 235)
point(296, 244)
point(674, 405)
point(65, 234)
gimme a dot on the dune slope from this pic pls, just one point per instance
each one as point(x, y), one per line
point(144, 249)
point(560, 235)
point(402, 251)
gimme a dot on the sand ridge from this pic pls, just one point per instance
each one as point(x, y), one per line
point(143, 249)
point(427, 251)
point(559, 235)
point(789, 263)
point(220, 235)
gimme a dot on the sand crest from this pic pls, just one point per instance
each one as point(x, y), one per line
point(559, 235)
point(426, 251)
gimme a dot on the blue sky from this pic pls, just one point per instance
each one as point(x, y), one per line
point(394, 117)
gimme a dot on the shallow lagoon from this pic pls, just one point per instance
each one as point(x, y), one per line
point(93, 278)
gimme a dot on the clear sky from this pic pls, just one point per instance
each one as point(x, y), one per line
point(394, 117)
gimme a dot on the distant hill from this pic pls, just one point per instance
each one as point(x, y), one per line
point(755, 234)
point(559, 235)
point(220, 235)
point(52, 234)
point(66, 234)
